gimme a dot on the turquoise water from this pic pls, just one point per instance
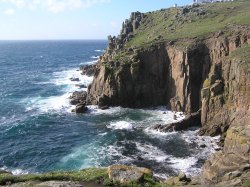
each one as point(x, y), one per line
point(38, 133)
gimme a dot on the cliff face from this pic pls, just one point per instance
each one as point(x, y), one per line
point(203, 76)
point(209, 73)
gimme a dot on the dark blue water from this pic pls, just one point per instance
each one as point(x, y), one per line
point(38, 133)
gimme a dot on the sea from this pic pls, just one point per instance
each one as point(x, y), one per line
point(39, 133)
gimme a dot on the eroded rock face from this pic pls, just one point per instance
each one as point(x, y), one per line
point(199, 77)
point(233, 161)
point(126, 174)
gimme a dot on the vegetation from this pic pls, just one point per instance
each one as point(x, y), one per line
point(92, 174)
point(98, 175)
point(190, 22)
point(242, 53)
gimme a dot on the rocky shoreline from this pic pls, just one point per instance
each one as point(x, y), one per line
point(207, 80)
point(206, 77)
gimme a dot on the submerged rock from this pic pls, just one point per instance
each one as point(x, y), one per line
point(126, 174)
point(74, 79)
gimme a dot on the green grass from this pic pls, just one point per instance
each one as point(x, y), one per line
point(242, 53)
point(99, 175)
point(92, 174)
point(170, 24)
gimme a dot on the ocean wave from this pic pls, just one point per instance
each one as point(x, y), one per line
point(15, 171)
point(95, 57)
point(89, 62)
point(150, 152)
point(120, 125)
point(184, 164)
point(100, 50)
point(61, 102)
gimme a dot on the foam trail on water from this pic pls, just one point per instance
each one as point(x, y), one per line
point(120, 125)
point(89, 63)
point(60, 102)
point(95, 57)
point(14, 171)
point(100, 50)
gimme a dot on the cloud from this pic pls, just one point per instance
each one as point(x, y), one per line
point(9, 12)
point(54, 5)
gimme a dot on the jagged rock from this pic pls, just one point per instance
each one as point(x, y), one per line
point(80, 108)
point(216, 88)
point(189, 121)
point(181, 180)
point(103, 102)
point(75, 79)
point(78, 97)
point(126, 174)
point(88, 70)
point(81, 85)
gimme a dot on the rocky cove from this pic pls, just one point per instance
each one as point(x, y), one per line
point(205, 76)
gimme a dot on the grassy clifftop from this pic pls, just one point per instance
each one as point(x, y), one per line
point(195, 21)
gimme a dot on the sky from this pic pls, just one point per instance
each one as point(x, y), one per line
point(70, 19)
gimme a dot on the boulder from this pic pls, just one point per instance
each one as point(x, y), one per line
point(127, 174)
point(81, 85)
point(80, 108)
point(74, 79)
point(78, 97)
point(103, 102)
point(181, 180)
point(191, 120)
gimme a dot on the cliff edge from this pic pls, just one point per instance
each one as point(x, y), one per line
point(188, 58)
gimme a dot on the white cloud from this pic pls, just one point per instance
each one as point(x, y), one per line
point(9, 12)
point(54, 5)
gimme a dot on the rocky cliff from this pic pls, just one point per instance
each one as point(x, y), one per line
point(166, 60)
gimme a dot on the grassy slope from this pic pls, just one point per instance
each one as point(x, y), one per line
point(171, 24)
point(98, 175)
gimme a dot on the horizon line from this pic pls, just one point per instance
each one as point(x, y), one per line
point(51, 39)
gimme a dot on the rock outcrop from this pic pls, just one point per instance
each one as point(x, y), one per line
point(79, 100)
point(88, 70)
point(202, 76)
point(126, 174)
point(191, 120)
point(202, 72)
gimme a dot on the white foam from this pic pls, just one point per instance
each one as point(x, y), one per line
point(99, 50)
point(89, 62)
point(95, 57)
point(120, 125)
point(63, 79)
point(61, 102)
point(183, 164)
point(15, 171)
point(150, 152)
point(94, 110)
